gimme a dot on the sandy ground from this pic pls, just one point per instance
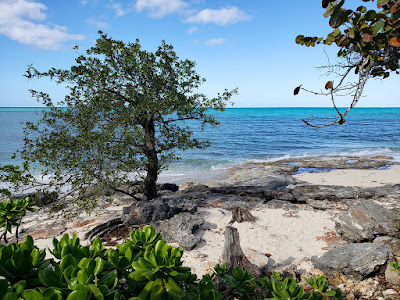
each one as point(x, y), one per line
point(277, 238)
point(354, 177)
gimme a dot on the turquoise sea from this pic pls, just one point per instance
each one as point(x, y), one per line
point(255, 134)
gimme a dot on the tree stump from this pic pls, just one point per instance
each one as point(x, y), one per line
point(240, 215)
point(233, 255)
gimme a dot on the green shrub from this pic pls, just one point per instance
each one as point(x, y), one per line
point(11, 213)
point(143, 267)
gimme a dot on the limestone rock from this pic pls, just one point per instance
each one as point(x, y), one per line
point(366, 220)
point(179, 229)
point(356, 260)
point(390, 242)
point(302, 193)
point(392, 276)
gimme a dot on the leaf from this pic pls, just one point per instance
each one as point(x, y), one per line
point(157, 290)
point(329, 85)
point(32, 295)
point(173, 290)
point(336, 32)
point(378, 26)
point(77, 295)
point(10, 296)
point(381, 3)
point(296, 90)
point(367, 38)
point(395, 41)
point(99, 266)
point(3, 286)
point(49, 278)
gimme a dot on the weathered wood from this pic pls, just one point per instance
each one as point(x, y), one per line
point(240, 215)
point(102, 229)
point(233, 255)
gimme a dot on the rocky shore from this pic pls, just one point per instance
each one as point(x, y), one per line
point(307, 221)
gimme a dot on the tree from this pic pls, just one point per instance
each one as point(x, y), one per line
point(369, 46)
point(125, 114)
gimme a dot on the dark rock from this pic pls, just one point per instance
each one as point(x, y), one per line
point(195, 188)
point(274, 190)
point(229, 202)
point(168, 187)
point(143, 212)
point(355, 260)
point(41, 198)
point(365, 220)
point(179, 229)
point(45, 198)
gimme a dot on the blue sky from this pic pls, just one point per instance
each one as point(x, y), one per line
point(244, 44)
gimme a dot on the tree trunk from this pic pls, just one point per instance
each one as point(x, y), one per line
point(233, 255)
point(152, 166)
point(240, 214)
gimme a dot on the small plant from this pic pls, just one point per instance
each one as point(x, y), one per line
point(72, 246)
point(396, 266)
point(11, 213)
point(320, 285)
point(21, 263)
point(161, 269)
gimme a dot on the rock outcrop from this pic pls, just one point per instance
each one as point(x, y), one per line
point(366, 220)
point(354, 260)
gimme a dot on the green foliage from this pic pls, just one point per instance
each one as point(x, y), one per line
point(11, 213)
point(21, 263)
point(396, 266)
point(126, 113)
point(374, 35)
point(152, 270)
point(17, 176)
point(368, 44)
point(72, 246)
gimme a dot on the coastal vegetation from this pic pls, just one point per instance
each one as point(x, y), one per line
point(143, 267)
point(368, 42)
point(124, 119)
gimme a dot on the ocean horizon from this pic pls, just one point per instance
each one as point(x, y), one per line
point(253, 135)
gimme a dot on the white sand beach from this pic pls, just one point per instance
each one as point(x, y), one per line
point(353, 177)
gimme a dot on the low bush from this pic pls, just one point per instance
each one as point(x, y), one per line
point(143, 267)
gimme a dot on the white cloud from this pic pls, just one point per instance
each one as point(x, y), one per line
point(223, 16)
point(84, 2)
point(161, 8)
point(97, 24)
point(16, 22)
point(213, 42)
point(192, 29)
point(117, 7)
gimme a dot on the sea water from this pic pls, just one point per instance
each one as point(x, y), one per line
point(253, 134)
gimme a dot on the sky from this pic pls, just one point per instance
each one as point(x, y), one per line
point(245, 44)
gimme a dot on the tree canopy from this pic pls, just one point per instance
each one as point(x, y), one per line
point(122, 121)
point(369, 45)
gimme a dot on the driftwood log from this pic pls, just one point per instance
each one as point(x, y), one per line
point(233, 255)
point(100, 230)
point(240, 214)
